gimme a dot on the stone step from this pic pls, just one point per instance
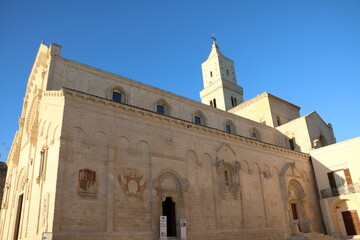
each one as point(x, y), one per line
point(314, 236)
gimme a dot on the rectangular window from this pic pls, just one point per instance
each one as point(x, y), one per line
point(42, 162)
point(292, 143)
point(338, 179)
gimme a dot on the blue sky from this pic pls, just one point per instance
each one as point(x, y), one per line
point(304, 51)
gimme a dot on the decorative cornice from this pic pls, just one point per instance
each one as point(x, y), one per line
point(53, 94)
point(95, 100)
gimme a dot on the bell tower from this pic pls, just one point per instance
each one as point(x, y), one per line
point(220, 85)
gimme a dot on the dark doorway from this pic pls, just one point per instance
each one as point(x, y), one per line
point(18, 217)
point(352, 223)
point(168, 207)
point(295, 213)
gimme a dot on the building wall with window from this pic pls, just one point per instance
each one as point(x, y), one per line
point(29, 193)
point(267, 109)
point(338, 177)
point(307, 133)
point(282, 111)
point(84, 165)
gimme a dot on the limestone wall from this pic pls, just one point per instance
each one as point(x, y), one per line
point(296, 129)
point(140, 158)
point(337, 158)
point(266, 108)
point(32, 172)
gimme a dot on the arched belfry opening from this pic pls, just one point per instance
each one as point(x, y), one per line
point(168, 210)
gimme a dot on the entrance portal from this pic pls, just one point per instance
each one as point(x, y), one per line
point(352, 223)
point(18, 217)
point(295, 213)
point(168, 207)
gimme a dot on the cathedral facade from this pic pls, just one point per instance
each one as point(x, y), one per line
point(100, 156)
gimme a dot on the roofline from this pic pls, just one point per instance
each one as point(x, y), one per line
point(331, 147)
point(259, 97)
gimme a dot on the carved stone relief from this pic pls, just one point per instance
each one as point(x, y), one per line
point(45, 211)
point(87, 184)
point(228, 181)
point(132, 182)
point(168, 183)
point(6, 196)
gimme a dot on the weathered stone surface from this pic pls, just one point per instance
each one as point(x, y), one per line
point(85, 167)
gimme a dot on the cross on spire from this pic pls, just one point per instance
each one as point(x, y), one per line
point(213, 38)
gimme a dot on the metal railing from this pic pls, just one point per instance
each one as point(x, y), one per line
point(344, 190)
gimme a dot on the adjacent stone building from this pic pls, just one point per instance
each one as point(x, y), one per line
point(338, 177)
point(100, 156)
point(3, 169)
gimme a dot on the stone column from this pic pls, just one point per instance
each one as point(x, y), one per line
point(110, 192)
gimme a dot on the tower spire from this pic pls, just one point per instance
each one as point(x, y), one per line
point(220, 85)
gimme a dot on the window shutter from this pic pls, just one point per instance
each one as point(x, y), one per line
point(348, 176)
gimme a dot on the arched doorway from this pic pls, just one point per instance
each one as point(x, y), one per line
point(296, 199)
point(20, 189)
point(345, 217)
point(170, 188)
point(168, 210)
point(18, 217)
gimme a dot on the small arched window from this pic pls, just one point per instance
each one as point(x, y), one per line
point(278, 121)
point(292, 143)
point(226, 178)
point(214, 101)
point(162, 107)
point(233, 101)
point(118, 95)
point(254, 134)
point(199, 118)
point(229, 127)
